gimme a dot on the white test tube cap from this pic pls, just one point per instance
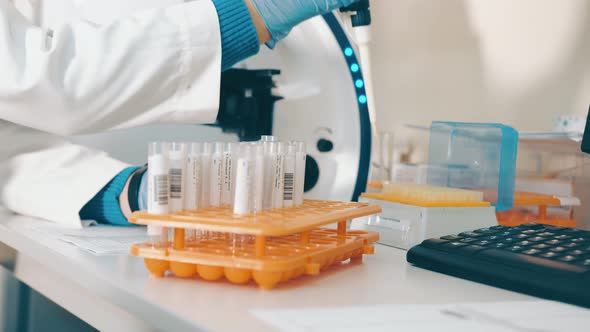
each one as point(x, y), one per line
point(196, 148)
point(155, 148)
point(207, 148)
point(178, 146)
point(300, 146)
point(282, 147)
point(218, 147)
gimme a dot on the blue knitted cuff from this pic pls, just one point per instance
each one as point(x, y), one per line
point(104, 206)
point(239, 39)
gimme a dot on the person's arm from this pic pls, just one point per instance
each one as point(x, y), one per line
point(159, 65)
point(265, 21)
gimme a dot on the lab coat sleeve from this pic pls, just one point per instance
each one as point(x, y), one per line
point(160, 65)
point(44, 176)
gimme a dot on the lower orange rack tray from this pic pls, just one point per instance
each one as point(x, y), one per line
point(249, 253)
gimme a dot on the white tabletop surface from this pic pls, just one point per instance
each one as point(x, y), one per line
point(176, 304)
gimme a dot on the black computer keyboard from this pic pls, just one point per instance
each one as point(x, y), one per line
point(545, 261)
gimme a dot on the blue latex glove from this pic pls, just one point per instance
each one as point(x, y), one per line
point(280, 16)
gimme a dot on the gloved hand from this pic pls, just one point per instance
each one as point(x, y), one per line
point(280, 16)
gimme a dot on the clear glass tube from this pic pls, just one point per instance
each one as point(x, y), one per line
point(158, 178)
point(193, 177)
point(289, 169)
point(216, 175)
point(279, 171)
point(230, 157)
point(300, 159)
point(258, 178)
point(242, 199)
point(205, 169)
point(177, 175)
point(270, 155)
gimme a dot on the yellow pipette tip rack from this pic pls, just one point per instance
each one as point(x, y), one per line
point(281, 244)
point(424, 195)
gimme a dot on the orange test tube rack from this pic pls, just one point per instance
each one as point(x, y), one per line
point(269, 247)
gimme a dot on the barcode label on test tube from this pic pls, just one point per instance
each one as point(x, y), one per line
point(161, 189)
point(288, 186)
point(176, 183)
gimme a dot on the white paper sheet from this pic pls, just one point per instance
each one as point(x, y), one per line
point(98, 239)
point(525, 316)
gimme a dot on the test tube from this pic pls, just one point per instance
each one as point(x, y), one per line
point(229, 165)
point(242, 198)
point(193, 183)
point(216, 175)
point(177, 160)
point(278, 189)
point(193, 177)
point(270, 155)
point(289, 175)
point(206, 152)
point(258, 162)
point(158, 185)
point(300, 158)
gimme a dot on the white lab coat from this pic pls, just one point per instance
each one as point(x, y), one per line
point(90, 67)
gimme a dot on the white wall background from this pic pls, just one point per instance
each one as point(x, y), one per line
point(519, 62)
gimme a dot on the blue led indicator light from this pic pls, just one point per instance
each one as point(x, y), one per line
point(348, 51)
point(354, 67)
point(359, 83)
point(362, 99)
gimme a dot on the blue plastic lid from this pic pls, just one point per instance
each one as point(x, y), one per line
point(478, 156)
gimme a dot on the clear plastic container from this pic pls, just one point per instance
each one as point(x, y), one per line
point(478, 156)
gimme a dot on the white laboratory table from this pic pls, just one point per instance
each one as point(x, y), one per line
point(115, 293)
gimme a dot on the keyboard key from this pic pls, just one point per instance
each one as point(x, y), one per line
point(498, 228)
point(521, 236)
point(536, 238)
point(500, 245)
point(530, 231)
point(451, 237)
point(585, 262)
point(515, 248)
point(541, 246)
point(506, 233)
point(491, 238)
point(486, 230)
point(563, 237)
point(531, 251)
point(455, 244)
point(470, 234)
point(549, 255)
point(568, 258)
point(558, 249)
point(524, 243)
point(468, 240)
point(570, 245)
point(509, 239)
point(546, 234)
point(552, 242)
point(576, 252)
point(482, 243)
point(579, 239)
